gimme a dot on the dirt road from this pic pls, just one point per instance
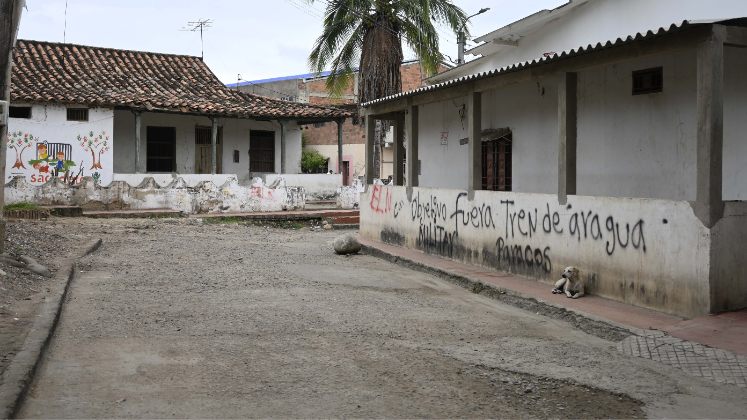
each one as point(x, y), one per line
point(181, 321)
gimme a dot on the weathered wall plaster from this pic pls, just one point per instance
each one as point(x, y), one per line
point(317, 186)
point(205, 197)
point(93, 152)
point(647, 252)
point(349, 197)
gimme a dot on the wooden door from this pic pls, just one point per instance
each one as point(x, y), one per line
point(204, 150)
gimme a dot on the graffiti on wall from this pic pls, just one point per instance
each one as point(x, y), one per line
point(521, 232)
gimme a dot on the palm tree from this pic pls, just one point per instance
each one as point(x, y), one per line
point(370, 33)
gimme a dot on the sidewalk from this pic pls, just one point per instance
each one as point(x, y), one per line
point(726, 331)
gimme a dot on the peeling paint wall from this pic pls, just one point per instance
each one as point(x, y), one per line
point(647, 252)
point(349, 197)
point(317, 186)
point(205, 197)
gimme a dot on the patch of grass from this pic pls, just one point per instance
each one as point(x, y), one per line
point(222, 220)
point(21, 206)
point(477, 288)
point(289, 225)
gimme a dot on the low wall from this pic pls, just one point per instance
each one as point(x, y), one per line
point(205, 197)
point(650, 253)
point(349, 197)
point(165, 179)
point(317, 186)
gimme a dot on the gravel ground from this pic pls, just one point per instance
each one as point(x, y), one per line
point(174, 320)
point(21, 292)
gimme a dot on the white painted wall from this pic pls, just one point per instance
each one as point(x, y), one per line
point(638, 146)
point(530, 111)
point(735, 124)
point(650, 253)
point(317, 186)
point(235, 137)
point(49, 123)
point(192, 180)
point(602, 20)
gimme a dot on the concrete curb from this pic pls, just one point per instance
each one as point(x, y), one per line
point(584, 321)
point(19, 375)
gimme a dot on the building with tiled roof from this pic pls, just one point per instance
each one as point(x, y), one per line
point(114, 112)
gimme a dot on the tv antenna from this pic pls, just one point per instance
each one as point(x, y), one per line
point(199, 25)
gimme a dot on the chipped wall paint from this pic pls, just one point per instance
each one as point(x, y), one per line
point(349, 197)
point(205, 197)
point(647, 252)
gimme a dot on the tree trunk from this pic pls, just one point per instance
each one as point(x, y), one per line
point(377, 151)
point(95, 164)
point(10, 17)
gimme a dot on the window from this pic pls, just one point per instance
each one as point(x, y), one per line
point(77, 114)
point(161, 149)
point(19, 112)
point(648, 81)
point(496, 164)
point(261, 151)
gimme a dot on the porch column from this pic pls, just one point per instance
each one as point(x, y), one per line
point(282, 145)
point(411, 123)
point(709, 205)
point(567, 114)
point(137, 140)
point(340, 167)
point(214, 144)
point(370, 133)
point(398, 151)
point(474, 108)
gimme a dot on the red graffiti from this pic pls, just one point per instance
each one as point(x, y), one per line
point(376, 200)
point(261, 193)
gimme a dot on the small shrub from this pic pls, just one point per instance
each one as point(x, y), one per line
point(20, 206)
point(312, 161)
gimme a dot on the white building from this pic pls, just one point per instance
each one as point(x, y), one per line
point(623, 158)
point(127, 115)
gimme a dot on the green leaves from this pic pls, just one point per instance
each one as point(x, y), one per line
point(312, 161)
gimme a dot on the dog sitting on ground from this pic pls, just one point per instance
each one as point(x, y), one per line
point(571, 284)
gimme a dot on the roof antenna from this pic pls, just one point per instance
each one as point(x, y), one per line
point(238, 80)
point(201, 25)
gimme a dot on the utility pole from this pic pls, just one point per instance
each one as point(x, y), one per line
point(462, 37)
point(10, 18)
point(201, 25)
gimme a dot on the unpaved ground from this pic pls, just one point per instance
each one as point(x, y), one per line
point(22, 292)
point(169, 320)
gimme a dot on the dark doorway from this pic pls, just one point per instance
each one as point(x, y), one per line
point(345, 172)
point(496, 164)
point(261, 151)
point(161, 149)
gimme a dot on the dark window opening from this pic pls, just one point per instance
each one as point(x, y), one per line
point(648, 81)
point(496, 164)
point(19, 112)
point(355, 120)
point(161, 149)
point(262, 151)
point(77, 114)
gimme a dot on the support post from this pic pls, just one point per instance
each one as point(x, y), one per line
point(138, 125)
point(398, 150)
point(214, 145)
point(340, 167)
point(282, 145)
point(474, 105)
point(567, 129)
point(370, 133)
point(413, 170)
point(709, 205)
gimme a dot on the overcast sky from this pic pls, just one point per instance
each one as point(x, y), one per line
point(255, 38)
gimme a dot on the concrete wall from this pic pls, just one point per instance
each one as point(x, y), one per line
point(280, 89)
point(646, 252)
point(602, 20)
point(355, 153)
point(638, 145)
point(49, 123)
point(235, 137)
point(205, 197)
point(166, 179)
point(735, 124)
point(316, 186)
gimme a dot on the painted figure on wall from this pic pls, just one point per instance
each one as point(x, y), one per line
point(20, 141)
point(50, 158)
point(93, 144)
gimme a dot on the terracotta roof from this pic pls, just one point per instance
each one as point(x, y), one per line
point(50, 72)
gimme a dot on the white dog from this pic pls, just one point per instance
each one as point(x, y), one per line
point(571, 284)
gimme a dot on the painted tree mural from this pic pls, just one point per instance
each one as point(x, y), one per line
point(20, 141)
point(97, 145)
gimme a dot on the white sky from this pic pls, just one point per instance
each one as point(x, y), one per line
point(258, 39)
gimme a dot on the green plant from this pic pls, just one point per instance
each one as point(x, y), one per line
point(222, 220)
point(20, 206)
point(312, 161)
